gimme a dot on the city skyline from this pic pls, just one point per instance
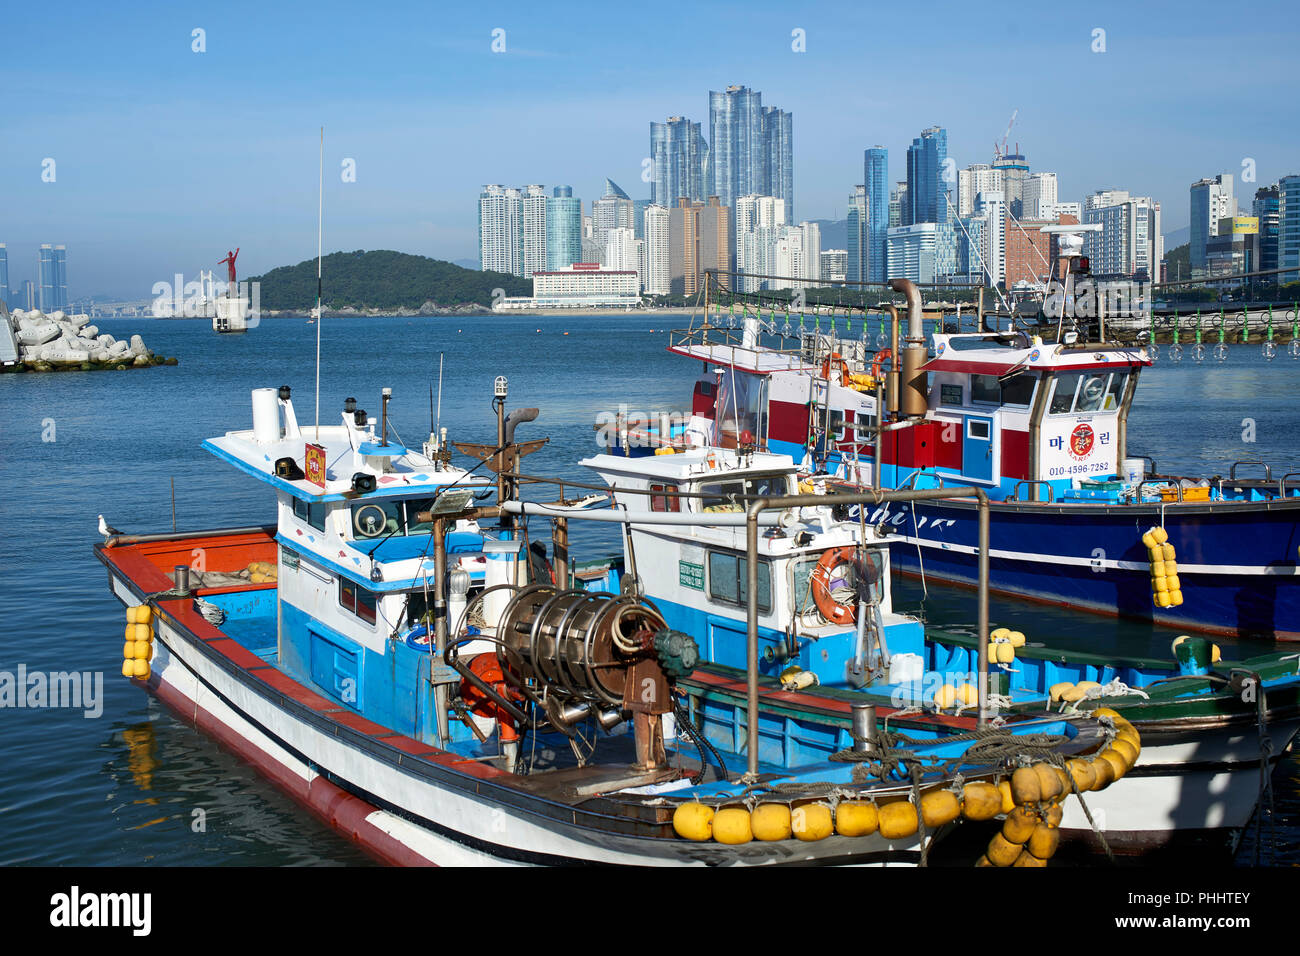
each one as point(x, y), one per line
point(149, 179)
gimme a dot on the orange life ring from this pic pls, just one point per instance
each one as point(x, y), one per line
point(832, 610)
point(839, 362)
point(878, 360)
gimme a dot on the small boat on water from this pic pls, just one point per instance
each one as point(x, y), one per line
point(382, 655)
point(1212, 731)
point(1036, 415)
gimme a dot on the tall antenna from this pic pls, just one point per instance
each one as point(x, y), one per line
point(320, 229)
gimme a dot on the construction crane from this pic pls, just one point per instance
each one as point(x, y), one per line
point(1000, 149)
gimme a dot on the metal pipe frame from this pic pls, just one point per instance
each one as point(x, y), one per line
point(800, 501)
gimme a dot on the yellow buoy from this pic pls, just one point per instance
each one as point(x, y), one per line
point(939, 807)
point(1215, 654)
point(1025, 787)
point(945, 696)
point(1000, 632)
point(1054, 815)
point(1167, 552)
point(1127, 751)
point(1017, 639)
point(968, 694)
point(1008, 801)
point(1082, 774)
point(1079, 691)
point(140, 669)
point(1162, 598)
point(1159, 582)
point(1175, 598)
point(1001, 851)
point(128, 650)
point(856, 818)
point(141, 650)
point(143, 632)
point(731, 826)
point(1019, 825)
point(1157, 569)
point(1172, 583)
point(1160, 534)
point(980, 801)
point(693, 821)
point(1150, 541)
point(1117, 763)
point(128, 668)
point(1050, 783)
point(1044, 841)
point(812, 821)
point(1028, 859)
point(1104, 771)
point(897, 820)
point(983, 860)
point(770, 821)
point(1058, 691)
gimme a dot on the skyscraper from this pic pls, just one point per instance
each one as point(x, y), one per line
point(751, 148)
point(973, 180)
point(679, 161)
point(855, 268)
point(1211, 200)
point(876, 173)
point(1130, 242)
point(1015, 171)
point(1266, 209)
point(927, 163)
point(500, 234)
point(1288, 227)
point(614, 210)
point(897, 200)
point(699, 238)
point(4, 273)
point(53, 271)
point(1038, 196)
point(563, 229)
point(533, 223)
point(657, 281)
point(759, 222)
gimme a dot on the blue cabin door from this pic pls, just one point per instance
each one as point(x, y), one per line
point(977, 449)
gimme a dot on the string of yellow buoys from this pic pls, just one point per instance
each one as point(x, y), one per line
point(1030, 798)
point(1166, 589)
point(138, 649)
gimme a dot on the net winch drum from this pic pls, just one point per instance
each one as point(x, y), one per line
point(586, 647)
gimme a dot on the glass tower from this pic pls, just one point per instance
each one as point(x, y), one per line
point(1266, 208)
point(855, 269)
point(53, 277)
point(1288, 227)
point(876, 173)
point(563, 229)
point(679, 159)
point(927, 160)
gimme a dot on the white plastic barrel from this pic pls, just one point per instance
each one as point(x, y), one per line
point(1133, 470)
point(266, 416)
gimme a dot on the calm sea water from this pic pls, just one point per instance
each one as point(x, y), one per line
point(136, 785)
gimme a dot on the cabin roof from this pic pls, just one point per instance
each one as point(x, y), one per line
point(985, 355)
point(762, 361)
point(690, 464)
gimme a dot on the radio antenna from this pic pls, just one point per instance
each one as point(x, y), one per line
point(320, 229)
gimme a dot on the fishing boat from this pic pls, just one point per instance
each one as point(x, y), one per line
point(381, 653)
point(1034, 414)
point(825, 627)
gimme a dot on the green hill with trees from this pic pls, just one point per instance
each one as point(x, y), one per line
point(382, 280)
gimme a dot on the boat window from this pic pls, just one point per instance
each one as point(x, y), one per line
point(1063, 397)
point(1115, 393)
point(417, 609)
point(357, 600)
point(376, 518)
point(312, 512)
point(729, 580)
point(1091, 392)
point(413, 507)
point(950, 394)
point(726, 496)
point(1016, 391)
point(661, 502)
point(872, 565)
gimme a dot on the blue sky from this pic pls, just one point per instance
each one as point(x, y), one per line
point(165, 158)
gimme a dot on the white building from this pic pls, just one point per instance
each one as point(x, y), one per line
point(1130, 240)
point(656, 271)
point(911, 251)
point(1038, 196)
point(759, 221)
point(1058, 209)
point(622, 252)
point(973, 180)
point(500, 212)
point(533, 206)
point(992, 207)
point(835, 264)
point(582, 285)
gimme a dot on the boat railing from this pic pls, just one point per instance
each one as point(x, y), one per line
point(1177, 485)
point(1015, 491)
point(910, 484)
point(1268, 469)
point(1282, 482)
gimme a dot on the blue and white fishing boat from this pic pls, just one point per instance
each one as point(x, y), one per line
point(1034, 415)
point(382, 653)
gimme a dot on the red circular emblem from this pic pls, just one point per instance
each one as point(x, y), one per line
point(1080, 441)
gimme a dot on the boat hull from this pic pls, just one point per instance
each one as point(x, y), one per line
point(1236, 560)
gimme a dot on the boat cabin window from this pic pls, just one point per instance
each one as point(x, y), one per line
point(729, 580)
point(380, 518)
point(1088, 392)
point(662, 502)
point(741, 406)
point(357, 600)
point(312, 512)
point(726, 496)
point(1016, 391)
point(872, 566)
point(950, 394)
point(417, 609)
